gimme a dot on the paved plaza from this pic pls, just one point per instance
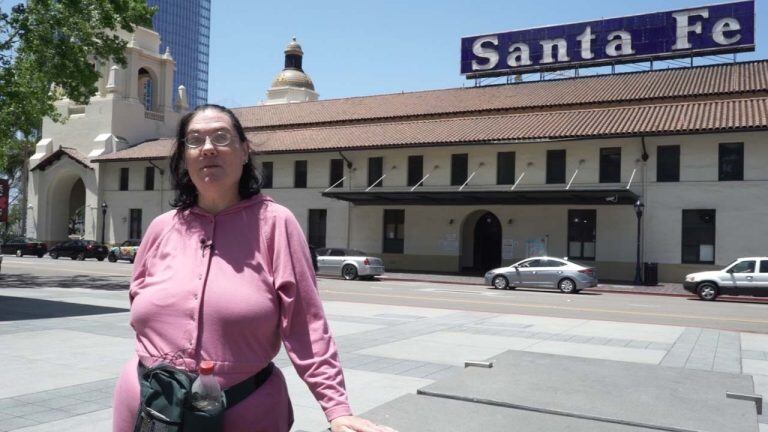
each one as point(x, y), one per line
point(61, 363)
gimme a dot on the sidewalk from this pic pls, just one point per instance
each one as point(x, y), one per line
point(59, 371)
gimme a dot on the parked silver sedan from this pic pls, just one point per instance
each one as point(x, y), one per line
point(543, 272)
point(348, 263)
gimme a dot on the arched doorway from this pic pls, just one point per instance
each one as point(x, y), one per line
point(487, 248)
point(66, 206)
point(480, 242)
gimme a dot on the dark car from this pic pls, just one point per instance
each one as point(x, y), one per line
point(21, 246)
point(79, 250)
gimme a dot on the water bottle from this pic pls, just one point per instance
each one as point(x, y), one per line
point(206, 392)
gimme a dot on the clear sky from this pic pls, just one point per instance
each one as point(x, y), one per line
point(361, 47)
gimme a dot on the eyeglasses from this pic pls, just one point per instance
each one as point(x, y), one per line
point(219, 139)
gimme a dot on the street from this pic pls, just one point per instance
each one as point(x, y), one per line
point(740, 314)
point(394, 337)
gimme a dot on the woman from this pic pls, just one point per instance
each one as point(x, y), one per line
point(226, 277)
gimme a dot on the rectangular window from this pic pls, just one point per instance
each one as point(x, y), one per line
point(317, 223)
point(668, 163)
point(698, 241)
point(394, 227)
point(610, 165)
point(135, 225)
point(731, 161)
point(375, 170)
point(415, 169)
point(337, 173)
point(505, 168)
point(300, 174)
point(124, 179)
point(555, 166)
point(582, 229)
point(459, 163)
point(266, 175)
point(149, 178)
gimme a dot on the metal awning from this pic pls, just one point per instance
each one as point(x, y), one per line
point(517, 197)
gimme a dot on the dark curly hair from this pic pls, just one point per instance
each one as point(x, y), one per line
point(186, 192)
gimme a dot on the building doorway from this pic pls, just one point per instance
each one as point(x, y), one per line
point(487, 248)
point(480, 242)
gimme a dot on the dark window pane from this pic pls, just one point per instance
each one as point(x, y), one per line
point(124, 179)
point(300, 174)
point(555, 166)
point(394, 231)
point(505, 168)
point(582, 234)
point(375, 170)
point(149, 178)
point(415, 169)
point(743, 267)
point(610, 165)
point(266, 174)
point(317, 224)
point(763, 266)
point(698, 240)
point(337, 173)
point(135, 225)
point(459, 168)
point(731, 161)
point(668, 163)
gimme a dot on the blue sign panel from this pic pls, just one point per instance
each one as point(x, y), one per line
point(706, 30)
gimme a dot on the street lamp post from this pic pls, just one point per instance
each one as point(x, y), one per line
point(103, 219)
point(639, 207)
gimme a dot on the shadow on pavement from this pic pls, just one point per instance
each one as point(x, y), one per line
point(20, 308)
point(26, 280)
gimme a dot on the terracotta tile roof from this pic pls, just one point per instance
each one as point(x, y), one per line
point(716, 98)
point(676, 118)
point(72, 153)
point(681, 118)
point(651, 85)
point(156, 149)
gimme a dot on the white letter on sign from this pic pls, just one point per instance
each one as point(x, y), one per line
point(683, 28)
point(726, 25)
point(620, 44)
point(519, 55)
point(562, 50)
point(487, 53)
point(586, 43)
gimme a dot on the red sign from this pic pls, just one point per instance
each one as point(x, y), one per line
point(4, 191)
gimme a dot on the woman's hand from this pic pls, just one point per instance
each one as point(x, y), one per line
point(356, 424)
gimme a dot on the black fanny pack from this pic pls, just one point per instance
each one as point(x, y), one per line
point(165, 404)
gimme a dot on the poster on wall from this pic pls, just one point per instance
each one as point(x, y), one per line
point(508, 248)
point(536, 247)
point(449, 243)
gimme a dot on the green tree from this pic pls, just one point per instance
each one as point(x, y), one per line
point(55, 42)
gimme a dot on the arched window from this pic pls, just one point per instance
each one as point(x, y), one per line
point(146, 89)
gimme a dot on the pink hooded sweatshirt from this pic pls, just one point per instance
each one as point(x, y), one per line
point(229, 288)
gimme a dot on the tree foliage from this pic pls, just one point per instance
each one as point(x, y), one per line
point(56, 42)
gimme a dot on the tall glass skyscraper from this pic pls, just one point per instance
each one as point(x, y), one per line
point(185, 27)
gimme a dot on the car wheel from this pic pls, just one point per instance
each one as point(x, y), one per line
point(567, 286)
point(707, 291)
point(131, 260)
point(40, 255)
point(100, 258)
point(500, 282)
point(54, 255)
point(18, 253)
point(112, 258)
point(80, 256)
point(349, 272)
